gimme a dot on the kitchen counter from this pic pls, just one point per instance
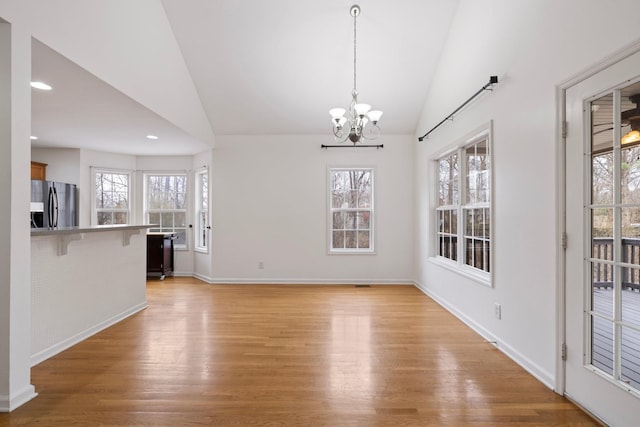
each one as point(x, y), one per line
point(70, 234)
point(93, 229)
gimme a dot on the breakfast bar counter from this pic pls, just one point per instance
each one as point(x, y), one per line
point(83, 280)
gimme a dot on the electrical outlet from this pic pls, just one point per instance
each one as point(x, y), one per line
point(497, 310)
point(260, 265)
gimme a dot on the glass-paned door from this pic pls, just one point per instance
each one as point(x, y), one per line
point(603, 253)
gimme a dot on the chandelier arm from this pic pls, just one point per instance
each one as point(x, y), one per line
point(339, 136)
point(370, 132)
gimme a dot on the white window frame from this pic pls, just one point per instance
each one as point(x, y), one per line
point(331, 210)
point(94, 194)
point(461, 206)
point(185, 211)
point(202, 202)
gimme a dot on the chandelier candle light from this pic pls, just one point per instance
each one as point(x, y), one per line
point(361, 122)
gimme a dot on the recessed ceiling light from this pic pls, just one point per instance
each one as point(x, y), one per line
point(33, 137)
point(40, 85)
point(152, 137)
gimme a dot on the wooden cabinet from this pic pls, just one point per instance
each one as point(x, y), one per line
point(160, 254)
point(38, 171)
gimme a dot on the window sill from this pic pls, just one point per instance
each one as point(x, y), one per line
point(338, 252)
point(468, 272)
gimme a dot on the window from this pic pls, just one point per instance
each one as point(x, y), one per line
point(202, 211)
point(476, 211)
point(112, 192)
point(166, 202)
point(463, 212)
point(351, 210)
point(447, 212)
point(612, 261)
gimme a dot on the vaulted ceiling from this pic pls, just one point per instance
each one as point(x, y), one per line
point(260, 67)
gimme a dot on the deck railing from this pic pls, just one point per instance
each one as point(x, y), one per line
point(602, 275)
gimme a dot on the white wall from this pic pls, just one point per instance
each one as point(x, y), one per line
point(270, 205)
point(532, 46)
point(63, 164)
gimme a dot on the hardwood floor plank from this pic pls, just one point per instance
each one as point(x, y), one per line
point(268, 355)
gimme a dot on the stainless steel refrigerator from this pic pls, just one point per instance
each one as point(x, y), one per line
point(53, 204)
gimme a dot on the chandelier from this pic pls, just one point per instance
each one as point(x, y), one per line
point(360, 121)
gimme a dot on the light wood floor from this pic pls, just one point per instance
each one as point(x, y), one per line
point(262, 355)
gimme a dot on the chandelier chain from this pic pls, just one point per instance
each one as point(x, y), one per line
point(355, 18)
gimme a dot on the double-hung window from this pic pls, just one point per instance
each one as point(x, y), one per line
point(351, 210)
point(112, 197)
point(202, 211)
point(463, 211)
point(166, 205)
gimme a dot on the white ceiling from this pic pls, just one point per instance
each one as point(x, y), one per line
point(82, 111)
point(260, 67)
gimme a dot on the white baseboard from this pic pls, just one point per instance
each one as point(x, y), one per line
point(183, 274)
point(75, 339)
point(202, 277)
point(280, 281)
point(287, 281)
point(542, 375)
point(9, 403)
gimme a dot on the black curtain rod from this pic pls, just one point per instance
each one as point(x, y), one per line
point(352, 146)
point(492, 80)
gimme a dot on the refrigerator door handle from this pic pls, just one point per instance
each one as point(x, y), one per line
point(50, 208)
point(56, 212)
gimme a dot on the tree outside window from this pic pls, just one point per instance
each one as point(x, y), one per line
point(351, 210)
point(112, 196)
